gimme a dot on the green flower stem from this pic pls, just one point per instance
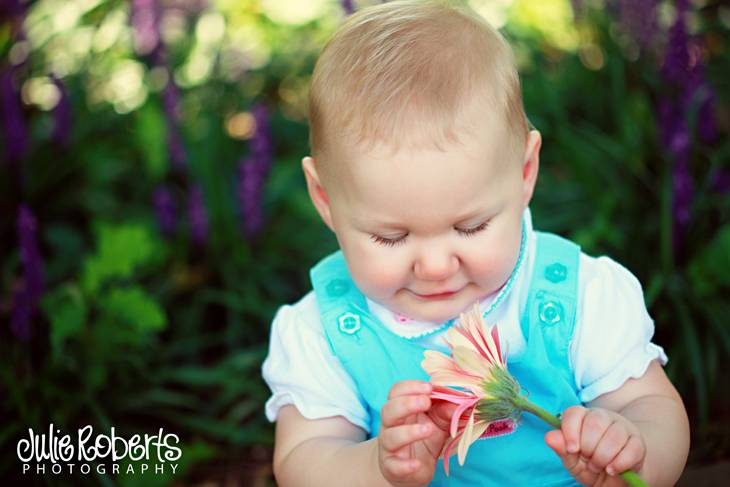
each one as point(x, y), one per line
point(631, 477)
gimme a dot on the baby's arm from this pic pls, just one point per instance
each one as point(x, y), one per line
point(641, 426)
point(333, 451)
point(329, 451)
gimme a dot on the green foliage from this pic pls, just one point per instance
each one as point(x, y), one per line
point(141, 331)
point(709, 269)
point(150, 139)
point(67, 311)
point(120, 250)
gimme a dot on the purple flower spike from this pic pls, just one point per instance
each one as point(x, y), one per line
point(175, 144)
point(676, 60)
point(197, 215)
point(61, 116)
point(683, 71)
point(683, 193)
point(22, 314)
point(252, 173)
point(171, 100)
point(706, 122)
point(13, 120)
point(250, 181)
point(176, 148)
point(348, 7)
point(11, 8)
point(721, 181)
point(14, 12)
point(638, 19)
point(26, 298)
point(261, 143)
point(145, 16)
point(165, 210)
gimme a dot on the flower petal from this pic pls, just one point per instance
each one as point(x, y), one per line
point(474, 330)
point(479, 428)
point(434, 361)
point(456, 338)
point(463, 442)
point(447, 451)
point(455, 379)
point(459, 411)
point(471, 362)
point(446, 372)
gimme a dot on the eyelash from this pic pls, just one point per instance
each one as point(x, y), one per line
point(390, 242)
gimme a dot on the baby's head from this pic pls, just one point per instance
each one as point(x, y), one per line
point(422, 158)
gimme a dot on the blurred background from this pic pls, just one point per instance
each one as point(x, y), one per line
point(153, 214)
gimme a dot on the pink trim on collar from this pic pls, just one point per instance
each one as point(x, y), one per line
point(401, 318)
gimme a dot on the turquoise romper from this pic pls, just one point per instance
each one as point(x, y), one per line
point(376, 358)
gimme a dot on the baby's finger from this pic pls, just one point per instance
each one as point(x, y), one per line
point(398, 468)
point(396, 410)
point(611, 443)
point(406, 387)
point(595, 424)
point(572, 422)
point(393, 439)
point(556, 440)
point(630, 458)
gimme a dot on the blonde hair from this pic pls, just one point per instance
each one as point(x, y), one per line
point(406, 63)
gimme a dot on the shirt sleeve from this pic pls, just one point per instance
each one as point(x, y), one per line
point(612, 339)
point(301, 369)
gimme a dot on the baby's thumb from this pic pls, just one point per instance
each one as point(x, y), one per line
point(556, 441)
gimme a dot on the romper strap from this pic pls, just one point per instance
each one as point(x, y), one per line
point(552, 301)
point(373, 356)
point(340, 303)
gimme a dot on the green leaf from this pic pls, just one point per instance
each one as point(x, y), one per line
point(67, 311)
point(120, 250)
point(134, 307)
point(150, 135)
point(710, 268)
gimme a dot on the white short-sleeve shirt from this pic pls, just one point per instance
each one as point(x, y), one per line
point(611, 341)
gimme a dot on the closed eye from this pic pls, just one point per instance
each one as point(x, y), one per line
point(468, 232)
point(388, 242)
point(392, 242)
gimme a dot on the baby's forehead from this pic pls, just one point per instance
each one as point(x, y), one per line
point(418, 170)
point(480, 142)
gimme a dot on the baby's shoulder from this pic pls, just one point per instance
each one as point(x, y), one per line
point(301, 317)
point(604, 272)
point(606, 288)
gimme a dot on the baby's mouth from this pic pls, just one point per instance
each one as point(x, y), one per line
point(435, 296)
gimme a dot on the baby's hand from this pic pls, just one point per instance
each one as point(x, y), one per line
point(409, 442)
point(596, 445)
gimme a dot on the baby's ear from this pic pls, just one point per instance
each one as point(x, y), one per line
point(530, 165)
point(316, 190)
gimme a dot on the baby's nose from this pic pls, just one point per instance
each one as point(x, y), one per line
point(435, 265)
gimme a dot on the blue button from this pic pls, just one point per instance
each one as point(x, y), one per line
point(550, 312)
point(349, 323)
point(556, 272)
point(337, 288)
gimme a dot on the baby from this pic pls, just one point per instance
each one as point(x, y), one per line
point(423, 165)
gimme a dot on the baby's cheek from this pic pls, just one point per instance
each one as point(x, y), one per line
point(489, 268)
point(378, 277)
